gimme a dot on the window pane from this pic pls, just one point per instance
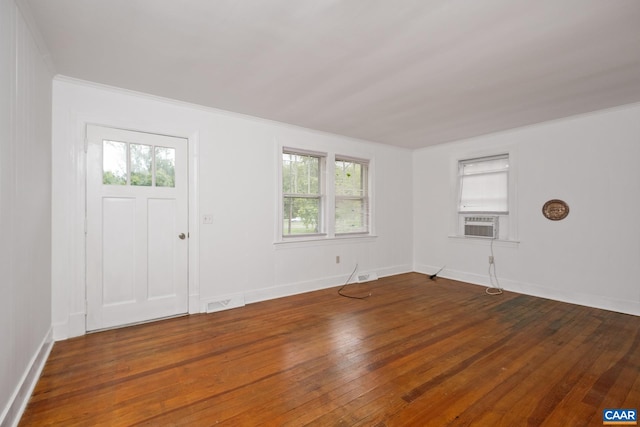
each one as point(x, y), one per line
point(165, 167)
point(484, 193)
point(351, 216)
point(301, 215)
point(140, 164)
point(300, 174)
point(114, 163)
point(350, 178)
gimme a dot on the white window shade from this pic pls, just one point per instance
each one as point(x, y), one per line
point(484, 185)
point(485, 165)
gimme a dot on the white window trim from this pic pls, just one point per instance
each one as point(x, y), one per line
point(328, 235)
point(512, 214)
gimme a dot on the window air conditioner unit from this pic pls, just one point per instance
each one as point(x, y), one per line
point(481, 226)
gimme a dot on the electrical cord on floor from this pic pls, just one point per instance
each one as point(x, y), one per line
point(493, 289)
point(347, 282)
point(435, 275)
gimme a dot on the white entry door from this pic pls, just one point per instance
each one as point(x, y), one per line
point(137, 227)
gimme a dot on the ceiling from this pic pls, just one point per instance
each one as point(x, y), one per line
point(410, 73)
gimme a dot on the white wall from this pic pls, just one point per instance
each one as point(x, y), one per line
point(234, 162)
point(25, 212)
point(592, 257)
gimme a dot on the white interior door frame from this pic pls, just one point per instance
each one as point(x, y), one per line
point(70, 296)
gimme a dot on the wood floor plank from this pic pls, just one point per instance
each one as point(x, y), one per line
point(479, 389)
point(417, 352)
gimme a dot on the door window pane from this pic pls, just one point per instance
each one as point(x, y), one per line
point(140, 164)
point(114, 163)
point(165, 167)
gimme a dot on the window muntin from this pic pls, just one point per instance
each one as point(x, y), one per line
point(484, 185)
point(302, 197)
point(351, 196)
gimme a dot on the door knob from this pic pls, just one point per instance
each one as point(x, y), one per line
point(181, 236)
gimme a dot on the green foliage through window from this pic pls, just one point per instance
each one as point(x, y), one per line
point(114, 163)
point(351, 209)
point(301, 193)
point(138, 164)
point(140, 169)
point(306, 188)
point(165, 167)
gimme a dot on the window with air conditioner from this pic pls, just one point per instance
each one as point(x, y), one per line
point(483, 197)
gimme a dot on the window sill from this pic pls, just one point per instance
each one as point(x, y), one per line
point(307, 241)
point(485, 241)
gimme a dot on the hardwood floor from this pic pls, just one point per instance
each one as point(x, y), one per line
point(417, 352)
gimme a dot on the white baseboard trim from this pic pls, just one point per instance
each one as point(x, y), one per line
point(75, 326)
point(194, 304)
point(18, 402)
point(315, 285)
point(536, 290)
point(60, 331)
point(474, 279)
point(602, 302)
point(281, 291)
point(392, 271)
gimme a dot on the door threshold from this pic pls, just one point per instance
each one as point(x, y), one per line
point(143, 322)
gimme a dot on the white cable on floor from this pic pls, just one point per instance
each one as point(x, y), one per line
point(493, 289)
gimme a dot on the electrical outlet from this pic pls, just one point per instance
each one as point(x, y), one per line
point(337, 259)
point(490, 259)
point(207, 219)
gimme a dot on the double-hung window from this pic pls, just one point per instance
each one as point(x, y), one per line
point(302, 192)
point(351, 195)
point(324, 195)
point(483, 203)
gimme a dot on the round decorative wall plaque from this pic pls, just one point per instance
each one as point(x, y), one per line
point(555, 210)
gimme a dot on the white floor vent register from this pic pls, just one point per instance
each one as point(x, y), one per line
point(367, 277)
point(224, 303)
